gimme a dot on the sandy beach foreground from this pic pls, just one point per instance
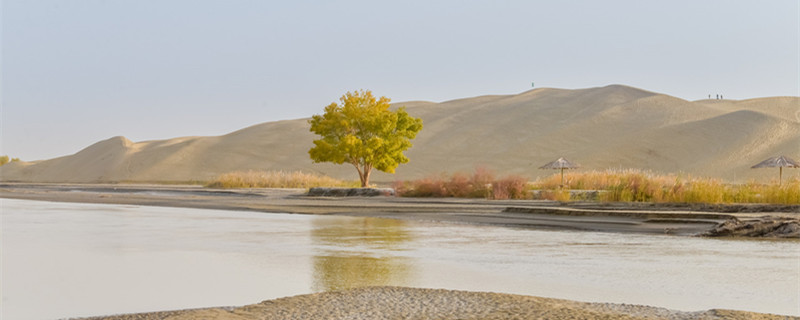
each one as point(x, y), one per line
point(413, 303)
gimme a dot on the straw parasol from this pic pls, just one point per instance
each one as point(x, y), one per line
point(780, 162)
point(562, 164)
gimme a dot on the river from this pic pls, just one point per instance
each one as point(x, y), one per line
point(63, 260)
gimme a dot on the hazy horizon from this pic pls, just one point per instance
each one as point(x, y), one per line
point(74, 73)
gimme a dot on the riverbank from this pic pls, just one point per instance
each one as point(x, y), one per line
point(675, 219)
point(415, 303)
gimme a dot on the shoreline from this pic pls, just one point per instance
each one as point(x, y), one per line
point(366, 303)
point(645, 218)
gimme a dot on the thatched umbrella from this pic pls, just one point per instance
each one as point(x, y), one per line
point(562, 164)
point(780, 162)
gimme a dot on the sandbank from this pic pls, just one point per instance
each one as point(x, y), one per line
point(415, 303)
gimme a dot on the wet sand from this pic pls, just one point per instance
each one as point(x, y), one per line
point(413, 303)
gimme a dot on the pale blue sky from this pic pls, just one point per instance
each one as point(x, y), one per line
point(79, 71)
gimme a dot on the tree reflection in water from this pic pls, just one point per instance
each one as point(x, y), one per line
point(357, 252)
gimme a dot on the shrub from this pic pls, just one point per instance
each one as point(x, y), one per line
point(460, 186)
point(427, 187)
point(511, 187)
point(481, 184)
point(5, 159)
point(645, 186)
point(618, 185)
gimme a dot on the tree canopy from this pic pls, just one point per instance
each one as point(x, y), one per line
point(4, 159)
point(362, 131)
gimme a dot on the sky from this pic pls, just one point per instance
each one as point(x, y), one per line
point(80, 71)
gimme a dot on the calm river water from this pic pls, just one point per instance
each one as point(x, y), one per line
point(66, 260)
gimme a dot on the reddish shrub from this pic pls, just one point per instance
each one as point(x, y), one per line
point(459, 186)
point(480, 185)
point(428, 187)
point(511, 187)
point(481, 181)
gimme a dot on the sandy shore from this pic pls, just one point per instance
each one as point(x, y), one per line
point(413, 303)
point(623, 217)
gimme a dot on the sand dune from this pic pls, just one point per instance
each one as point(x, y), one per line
point(608, 127)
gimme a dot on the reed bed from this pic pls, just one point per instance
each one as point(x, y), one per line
point(614, 185)
point(480, 184)
point(276, 179)
point(645, 186)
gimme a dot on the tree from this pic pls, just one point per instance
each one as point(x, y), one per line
point(362, 131)
point(4, 160)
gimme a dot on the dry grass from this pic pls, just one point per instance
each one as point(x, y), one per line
point(616, 185)
point(511, 187)
point(276, 179)
point(645, 186)
point(481, 184)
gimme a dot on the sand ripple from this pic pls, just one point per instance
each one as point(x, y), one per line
point(414, 303)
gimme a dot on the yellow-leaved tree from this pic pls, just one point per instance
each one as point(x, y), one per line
point(362, 131)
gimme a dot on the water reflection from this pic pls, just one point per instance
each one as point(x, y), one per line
point(355, 253)
point(134, 259)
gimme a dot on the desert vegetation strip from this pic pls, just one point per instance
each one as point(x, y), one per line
point(645, 186)
point(480, 184)
point(605, 186)
point(448, 210)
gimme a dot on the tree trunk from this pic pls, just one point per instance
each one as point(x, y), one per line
point(365, 177)
point(363, 174)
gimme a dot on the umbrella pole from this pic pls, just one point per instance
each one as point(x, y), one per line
point(562, 178)
point(780, 177)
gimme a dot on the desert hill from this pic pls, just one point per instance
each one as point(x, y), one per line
point(609, 127)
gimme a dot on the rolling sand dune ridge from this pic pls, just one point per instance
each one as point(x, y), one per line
point(600, 128)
